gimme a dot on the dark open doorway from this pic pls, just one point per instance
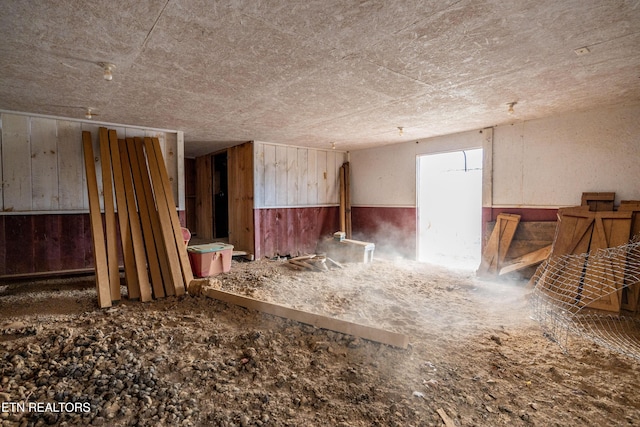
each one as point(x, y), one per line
point(220, 196)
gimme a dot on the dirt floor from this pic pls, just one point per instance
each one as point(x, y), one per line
point(475, 358)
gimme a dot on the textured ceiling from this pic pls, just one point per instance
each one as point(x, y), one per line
point(317, 72)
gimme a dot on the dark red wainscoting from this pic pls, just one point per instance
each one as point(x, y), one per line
point(392, 229)
point(46, 243)
point(292, 231)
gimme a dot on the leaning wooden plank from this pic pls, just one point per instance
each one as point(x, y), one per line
point(633, 206)
point(164, 213)
point(134, 221)
point(603, 278)
point(497, 247)
point(97, 233)
point(154, 218)
point(367, 332)
point(130, 274)
point(146, 212)
point(347, 199)
point(177, 229)
point(343, 217)
point(109, 215)
point(532, 258)
point(631, 293)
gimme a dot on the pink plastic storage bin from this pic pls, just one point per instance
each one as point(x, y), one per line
point(211, 259)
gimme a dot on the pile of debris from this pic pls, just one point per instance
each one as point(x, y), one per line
point(313, 262)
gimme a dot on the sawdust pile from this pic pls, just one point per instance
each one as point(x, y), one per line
point(475, 355)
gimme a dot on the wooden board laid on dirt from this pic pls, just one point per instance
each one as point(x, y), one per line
point(366, 332)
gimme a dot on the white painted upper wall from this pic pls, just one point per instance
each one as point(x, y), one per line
point(42, 164)
point(551, 162)
point(386, 176)
point(288, 176)
point(540, 163)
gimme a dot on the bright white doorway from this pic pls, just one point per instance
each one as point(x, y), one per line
point(450, 208)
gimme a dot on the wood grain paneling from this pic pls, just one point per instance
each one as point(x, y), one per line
point(16, 163)
point(44, 164)
point(286, 176)
point(42, 167)
point(44, 243)
point(204, 198)
point(293, 231)
point(71, 174)
point(240, 174)
point(3, 248)
point(312, 177)
point(280, 188)
point(303, 159)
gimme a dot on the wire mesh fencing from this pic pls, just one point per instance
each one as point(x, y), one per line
point(592, 295)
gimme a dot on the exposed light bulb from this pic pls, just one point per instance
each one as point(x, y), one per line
point(88, 114)
point(400, 130)
point(333, 145)
point(510, 110)
point(108, 70)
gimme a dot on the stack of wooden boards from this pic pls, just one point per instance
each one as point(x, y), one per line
point(150, 240)
point(585, 274)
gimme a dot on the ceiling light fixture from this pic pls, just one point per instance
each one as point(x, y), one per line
point(88, 114)
point(333, 145)
point(581, 51)
point(400, 130)
point(108, 70)
point(510, 110)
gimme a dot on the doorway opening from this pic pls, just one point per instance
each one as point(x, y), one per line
point(220, 187)
point(450, 208)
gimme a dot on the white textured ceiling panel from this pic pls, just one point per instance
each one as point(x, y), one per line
point(315, 72)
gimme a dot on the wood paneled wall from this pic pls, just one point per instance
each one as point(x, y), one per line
point(204, 197)
point(43, 197)
point(293, 231)
point(42, 168)
point(296, 198)
point(240, 174)
point(295, 176)
point(44, 243)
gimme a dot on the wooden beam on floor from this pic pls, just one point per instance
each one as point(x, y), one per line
point(324, 322)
